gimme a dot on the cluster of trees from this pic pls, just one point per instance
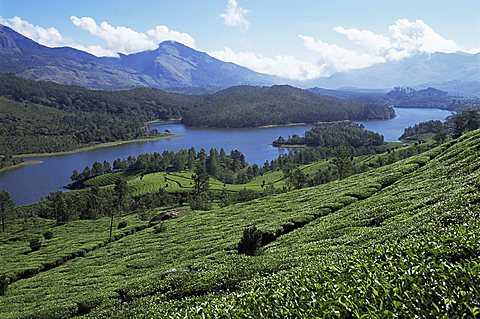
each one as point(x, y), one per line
point(229, 168)
point(8, 160)
point(454, 126)
point(420, 128)
point(333, 135)
point(245, 106)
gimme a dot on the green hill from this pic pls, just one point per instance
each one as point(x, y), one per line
point(400, 240)
point(244, 106)
point(82, 117)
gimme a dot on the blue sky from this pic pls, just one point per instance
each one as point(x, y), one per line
point(298, 39)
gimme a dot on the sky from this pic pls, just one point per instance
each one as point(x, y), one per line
point(300, 40)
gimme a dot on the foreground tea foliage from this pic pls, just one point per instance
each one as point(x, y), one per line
point(400, 240)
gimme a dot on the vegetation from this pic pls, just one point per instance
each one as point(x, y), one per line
point(8, 160)
point(454, 126)
point(331, 135)
point(40, 117)
point(6, 206)
point(230, 168)
point(245, 106)
point(398, 240)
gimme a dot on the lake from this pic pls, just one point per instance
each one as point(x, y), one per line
point(29, 184)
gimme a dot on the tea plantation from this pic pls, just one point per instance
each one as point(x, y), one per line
point(401, 240)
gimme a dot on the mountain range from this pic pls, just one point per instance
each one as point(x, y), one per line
point(176, 67)
point(172, 65)
point(456, 73)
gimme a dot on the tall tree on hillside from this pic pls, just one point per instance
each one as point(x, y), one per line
point(440, 133)
point(59, 207)
point(200, 199)
point(6, 205)
point(343, 161)
point(122, 198)
point(96, 203)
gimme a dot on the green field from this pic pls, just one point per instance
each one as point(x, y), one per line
point(397, 241)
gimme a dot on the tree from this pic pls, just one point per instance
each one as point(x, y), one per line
point(58, 207)
point(107, 168)
point(294, 177)
point(440, 133)
point(75, 176)
point(35, 244)
point(251, 242)
point(343, 161)
point(3, 285)
point(95, 204)
point(200, 199)
point(122, 198)
point(6, 205)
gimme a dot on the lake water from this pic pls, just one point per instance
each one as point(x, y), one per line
point(29, 184)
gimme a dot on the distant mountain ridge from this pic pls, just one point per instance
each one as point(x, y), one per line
point(457, 73)
point(175, 67)
point(171, 65)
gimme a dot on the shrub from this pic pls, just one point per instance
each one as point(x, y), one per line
point(48, 235)
point(35, 244)
point(122, 224)
point(3, 285)
point(159, 228)
point(251, 242)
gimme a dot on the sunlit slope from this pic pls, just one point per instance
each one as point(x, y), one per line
point(328, 250)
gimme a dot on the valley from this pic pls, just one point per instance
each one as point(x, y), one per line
point(239, 159)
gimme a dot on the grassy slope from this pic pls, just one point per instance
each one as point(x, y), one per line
point(346, 224)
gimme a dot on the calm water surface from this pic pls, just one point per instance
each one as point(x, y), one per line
point(31, 183)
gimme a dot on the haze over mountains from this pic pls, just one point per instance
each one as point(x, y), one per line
point(175, 66)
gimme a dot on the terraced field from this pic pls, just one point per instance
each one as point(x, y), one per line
point(400, 240)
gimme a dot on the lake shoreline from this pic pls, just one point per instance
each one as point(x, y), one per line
point(20, 165)
point(97, 146)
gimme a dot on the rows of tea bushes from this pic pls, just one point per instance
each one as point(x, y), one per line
point(409, 250)
point(189, 242)
point(190, 267)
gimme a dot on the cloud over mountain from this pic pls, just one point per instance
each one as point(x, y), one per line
point(126, 40)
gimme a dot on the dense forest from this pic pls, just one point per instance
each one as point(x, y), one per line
point(334, 134)
point(47, 117)
point(455, 125)
point(244, 106)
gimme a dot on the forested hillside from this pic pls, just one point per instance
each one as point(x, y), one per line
point(255, 106)
point(399, 240)
point(48, 117)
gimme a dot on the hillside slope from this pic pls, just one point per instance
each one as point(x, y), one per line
point(172, 65)
point(401, 239)
point(244, 106)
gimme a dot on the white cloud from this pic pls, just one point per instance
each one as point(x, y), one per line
point(370, 42)
point(50, 37)
point(119, 39)
point(337, 59)
point(411, 37)
point(406, 38)
point(161, 33)
point(97, 50)
point(235, 16)
point(284, 66)
point(125, 40)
